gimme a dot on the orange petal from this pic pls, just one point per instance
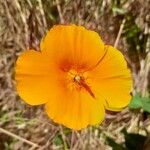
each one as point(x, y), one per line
point(35, 77)
point(75, 109)
point(112, 79)
point(73, 46)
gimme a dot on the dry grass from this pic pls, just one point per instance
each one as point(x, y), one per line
point(22, 25)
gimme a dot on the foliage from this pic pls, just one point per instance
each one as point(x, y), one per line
point(138, 102)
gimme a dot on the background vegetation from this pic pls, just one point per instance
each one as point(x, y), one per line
point(123, 23)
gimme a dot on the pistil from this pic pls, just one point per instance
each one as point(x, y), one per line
point(81, 81)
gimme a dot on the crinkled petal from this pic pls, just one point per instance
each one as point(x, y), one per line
point(75, 109)
point(112, 79)
point(73, 46)
point(35, 77)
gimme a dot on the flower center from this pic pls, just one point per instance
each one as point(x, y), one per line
point(79, 82)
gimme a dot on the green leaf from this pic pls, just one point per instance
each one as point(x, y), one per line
point(114, 145)
point(58, 140)
point(136, 102)
point(146, 104)
point(133, 31)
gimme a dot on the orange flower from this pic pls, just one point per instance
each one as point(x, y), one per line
point(76, 75)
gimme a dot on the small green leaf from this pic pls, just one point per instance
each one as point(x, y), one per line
point(136, 102)
point(58, 140)
point(146, 104)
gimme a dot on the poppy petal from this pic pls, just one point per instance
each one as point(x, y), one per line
point(73, 46)
point(34, 77)
point(112, 79)
point(75, 109)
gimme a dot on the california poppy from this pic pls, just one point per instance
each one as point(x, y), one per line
point(75, 75)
